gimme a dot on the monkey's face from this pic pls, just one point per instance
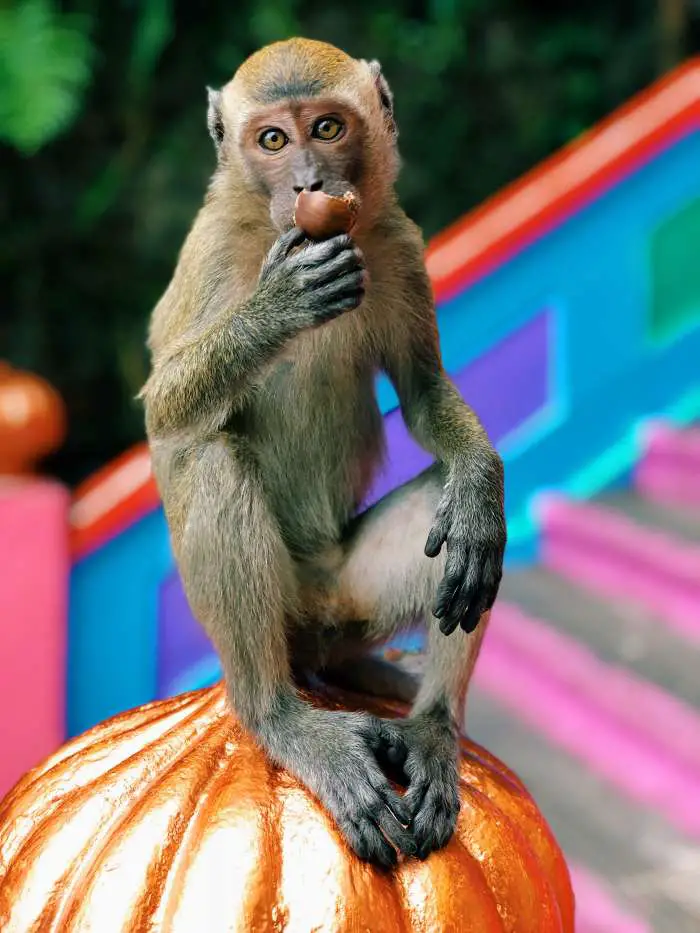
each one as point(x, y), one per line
point(301, 114)
point(303, 145)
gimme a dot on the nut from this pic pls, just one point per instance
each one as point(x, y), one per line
point(321, 215)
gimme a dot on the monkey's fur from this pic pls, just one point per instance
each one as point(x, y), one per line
point(266, 436)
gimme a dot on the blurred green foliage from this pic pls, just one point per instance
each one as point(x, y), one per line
point(102, 110)
point(45, 60)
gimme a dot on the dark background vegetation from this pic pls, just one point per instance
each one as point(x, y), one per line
point(105, 155)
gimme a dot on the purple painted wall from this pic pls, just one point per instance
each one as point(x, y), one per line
point(182, 642)
point(507, 386)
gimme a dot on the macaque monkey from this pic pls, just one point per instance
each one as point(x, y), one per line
point(266, 436)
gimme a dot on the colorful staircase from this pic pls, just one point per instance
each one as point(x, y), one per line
point(589, 686)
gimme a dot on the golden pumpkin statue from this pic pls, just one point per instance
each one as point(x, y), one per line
point(170, 819)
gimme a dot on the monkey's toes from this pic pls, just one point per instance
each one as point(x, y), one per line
point(374, 820)
point(392, 750)
point(367, 841)
point(436, 818)
point(432, 796)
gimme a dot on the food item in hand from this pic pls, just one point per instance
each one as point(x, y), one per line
point(321, 215)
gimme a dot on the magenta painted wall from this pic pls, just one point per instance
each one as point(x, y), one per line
point(33, 609)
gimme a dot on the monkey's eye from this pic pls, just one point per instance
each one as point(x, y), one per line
point(273, 140)
point(327, 128)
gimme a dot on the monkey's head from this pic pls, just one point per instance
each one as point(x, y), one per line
point(302, 114)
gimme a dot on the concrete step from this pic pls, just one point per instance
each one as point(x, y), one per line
point(620, 633)
point(632, 873)
point(640, 739)
point(624, 548)
point(674, 520)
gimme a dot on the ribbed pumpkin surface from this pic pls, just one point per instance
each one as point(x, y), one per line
point(169, 819)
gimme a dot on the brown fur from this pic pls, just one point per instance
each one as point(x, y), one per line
point(298, 59)
point(266, 437)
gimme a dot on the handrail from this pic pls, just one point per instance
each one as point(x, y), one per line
point(118, 494)
point(559, 186)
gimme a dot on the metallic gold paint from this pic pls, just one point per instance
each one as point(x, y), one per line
point(169, 819)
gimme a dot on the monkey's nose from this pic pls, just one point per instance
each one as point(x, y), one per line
point(313, 186)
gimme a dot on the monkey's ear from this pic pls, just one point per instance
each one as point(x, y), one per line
point(215, 120)
point(385, 95)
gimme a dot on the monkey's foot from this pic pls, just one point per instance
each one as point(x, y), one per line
point(429, 751)
point(338, 760)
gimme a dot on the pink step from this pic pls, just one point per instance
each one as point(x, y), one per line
point(627, 731)
point(34, 568)
point(598, 910)
point(655, 716)
point(616, 557)
point(669, 470)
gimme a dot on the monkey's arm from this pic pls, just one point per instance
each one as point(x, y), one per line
point(470, 519)
point(202, 373)
point(199, 374)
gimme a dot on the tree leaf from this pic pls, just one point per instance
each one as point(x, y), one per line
point(45, 67)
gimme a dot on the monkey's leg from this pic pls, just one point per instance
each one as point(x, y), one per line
point(241, 584)
point(235, 570)
point(387, 580)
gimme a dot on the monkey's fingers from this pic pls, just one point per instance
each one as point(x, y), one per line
point(484, 595)
point(436, 539)
point(346, 303)
point(398, 835)
point(372, 803)
point(317, 253)
point(283, 245)
point(346, 284)
point(367, 840)
point(469, 595)
point(389, 798)
point(471, 618)
point(345, 293)
point(448, 626)
point(433, 799)
point(416, 792)
point(435, 820)
point(493, 574)
point(348, 260)
point(451, 581)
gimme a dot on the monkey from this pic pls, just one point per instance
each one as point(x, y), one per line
point(266, 436)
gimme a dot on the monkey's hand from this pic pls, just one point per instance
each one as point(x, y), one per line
point(315, 284)
point(471, 521)
point(336, 755)
point(430, 765)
